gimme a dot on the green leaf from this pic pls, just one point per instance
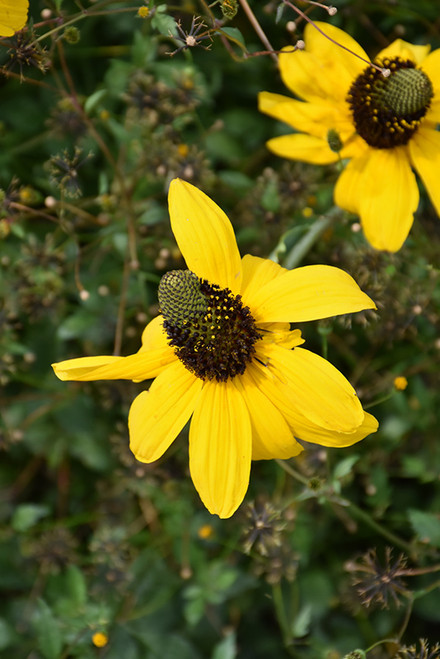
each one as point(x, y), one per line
point(194, 611)
point(7, 634)
point(426, 526)
point(76, 586)
point(226, 649)
point(27, 515)
point(164, 24)
point(301, 622)
point(270, 199)
point(343, 468)
point(94, 99)
point(49, 637)
point(234, 34)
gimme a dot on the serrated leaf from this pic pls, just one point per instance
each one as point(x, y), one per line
point(164, 24)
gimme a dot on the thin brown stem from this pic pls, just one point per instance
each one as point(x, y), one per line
point(258, 29)
point(309, 20)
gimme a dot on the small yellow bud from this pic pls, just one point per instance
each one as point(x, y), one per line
point(400, 383)
point(99, 639)
point(26, 194)
point(143, 12)
point(206, 531)
point(307, 212)
point(183, 150)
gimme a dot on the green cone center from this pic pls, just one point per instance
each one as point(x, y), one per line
point(210, 329)
point(387, 111)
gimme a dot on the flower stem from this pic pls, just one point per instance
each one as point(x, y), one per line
point(298, 252)
point(280, 611)
point(292, 472)
point(394, 539)
point(258, 29)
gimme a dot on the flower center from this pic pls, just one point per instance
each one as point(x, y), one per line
point(213, 334)
point(388, 111)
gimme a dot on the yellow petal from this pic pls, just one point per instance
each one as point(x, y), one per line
point(317, 435)
point(220, 448)
point(302, 428)
point(431, 66)
point(309, 293)
point(13, 16)
point(141, 366)
point(317, 389)
point(256, 273)
point(303, 147)
point(204, 235)
point(425, 155)
point(323, 70)
point(281, 334)
point(312, 118)
point(382, 189)
point(154, 335)
point(432, 117)
point(157, 416)
point(404, 50)
point(271, 435)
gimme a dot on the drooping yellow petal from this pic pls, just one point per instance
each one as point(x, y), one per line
point(317, 389)
point(205, 236)
point(157, 416)
point(404, 50)
point(271, 435)
point(424, 148)
point(303, 147)
point(302, 428)
point(317, 435)
point(382, 189)
point(154, 335)
point(220, 447)
point(141, 366)
point(13, 16)
point(323, 69)
point(309, 293)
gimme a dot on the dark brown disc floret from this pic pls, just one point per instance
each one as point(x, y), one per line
point(387, 110)
point(212, 332)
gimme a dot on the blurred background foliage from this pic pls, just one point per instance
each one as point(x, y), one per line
point(104, 556)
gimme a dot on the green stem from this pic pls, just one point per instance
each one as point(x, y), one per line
point(298, 252)
point(280, 611)
point(425, 591)
point(292, 472)
point(378, 401)
point(394, 539)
